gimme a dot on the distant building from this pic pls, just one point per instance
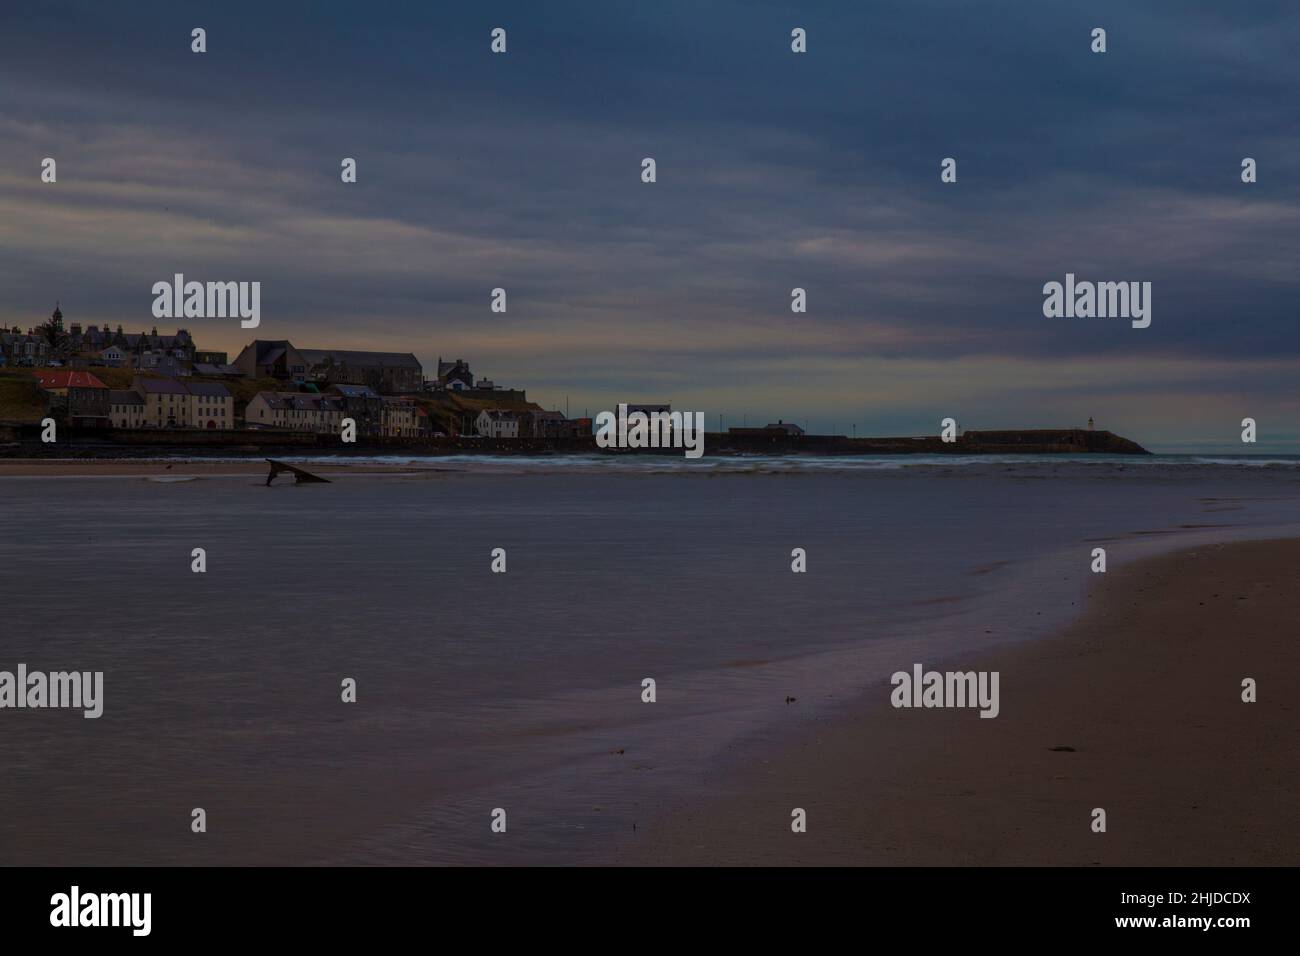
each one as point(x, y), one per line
point(96, 340)
point(385, 372)
point(211, 358)
point(161, 363)
point(400, 419)
point(454, 376)
point(169, 403)
point(776, 429)
point(211, 405)
point(300, 411)
point(272, 358)
point(548, 424)
point(23, 350)
point(217, 371)
point(389, 373)
point(149, 349)
point(80, 395)
point(497, 423)
point(363, 405)
point(166, 402)
point(126, 408)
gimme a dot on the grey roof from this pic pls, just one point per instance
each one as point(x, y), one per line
point(355, 391)
point(362, 359)
point(179, 340)
point(299, 401)
point(263, 347)
point(208, 388)
point(125, 397)
point(161, 386)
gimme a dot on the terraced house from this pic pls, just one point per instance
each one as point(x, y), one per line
point(171, 403)
point(300, 411)
point(323, 414)
point(126, 408)
point(20, 349)
point(211, 405)
point(401, 418)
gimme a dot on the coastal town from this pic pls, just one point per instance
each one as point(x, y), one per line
point(95, 378)
point(153, 388)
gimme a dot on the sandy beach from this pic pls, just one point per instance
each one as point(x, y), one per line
point(529, 695)
point(1144, 691)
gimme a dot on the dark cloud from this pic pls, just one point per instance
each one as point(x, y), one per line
point(775, 171)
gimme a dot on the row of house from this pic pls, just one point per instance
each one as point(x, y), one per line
point(52, 344)
point(85, 401)
point(171, 403)
point(534, 423)
point(175, 403)
point(385, 416)
point(148, 403)
point(19, 349)
point(177, 356)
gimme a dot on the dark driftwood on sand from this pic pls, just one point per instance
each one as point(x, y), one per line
point(300, 476)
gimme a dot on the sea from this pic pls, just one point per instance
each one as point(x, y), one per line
point(504, 716)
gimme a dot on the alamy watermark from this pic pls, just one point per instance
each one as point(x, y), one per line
point(58, 689)
point(179, 299)
point(657, 429)
point(946, 689)
point(75, 909)
point(1103, 300)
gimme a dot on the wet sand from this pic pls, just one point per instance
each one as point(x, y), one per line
point(1144, 691)
point(150, 468)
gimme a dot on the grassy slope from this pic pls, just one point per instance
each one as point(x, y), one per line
point(19, 399)
point(448, 408)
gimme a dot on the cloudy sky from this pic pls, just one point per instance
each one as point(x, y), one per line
point(775, 170)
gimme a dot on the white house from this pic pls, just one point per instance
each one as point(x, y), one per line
point(497, 423)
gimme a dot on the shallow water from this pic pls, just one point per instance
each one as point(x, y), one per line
point(479, 690)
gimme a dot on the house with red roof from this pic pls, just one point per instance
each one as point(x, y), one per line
point(81, 398)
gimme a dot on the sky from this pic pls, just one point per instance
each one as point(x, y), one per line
point(775, 170)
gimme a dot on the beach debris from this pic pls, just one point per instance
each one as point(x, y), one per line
point(299, 475)
point(618, 751)
point(789, 699)
point(1062, 750)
